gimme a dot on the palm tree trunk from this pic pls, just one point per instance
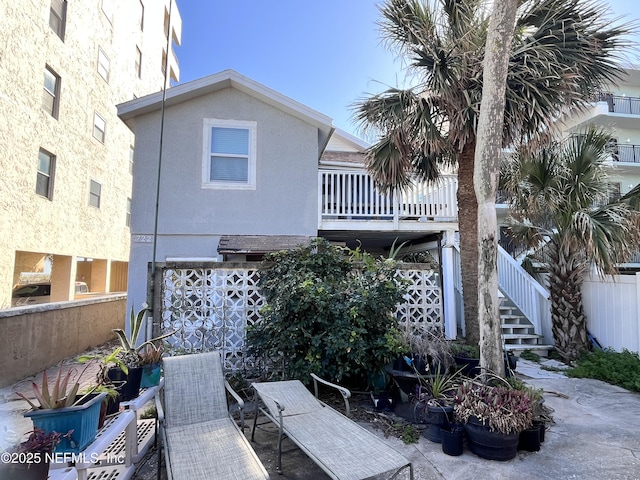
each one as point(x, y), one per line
point(569, 323)
point(486, 173)
point(468, 227)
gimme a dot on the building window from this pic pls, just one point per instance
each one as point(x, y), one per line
point(44, 180)
point(99, 127)
point(138, 65)
point(141, 16)
point(230, 154)
point(95, 191)
point(51, 93)
point(58, 17)
point(166, 22)
point(128, 219)
point(131, 155)
point(104, 65)
point(107, 9)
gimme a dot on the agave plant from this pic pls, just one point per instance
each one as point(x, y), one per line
point(130, 354)
point(62, 394)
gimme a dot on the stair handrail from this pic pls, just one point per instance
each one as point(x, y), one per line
point(531, 298)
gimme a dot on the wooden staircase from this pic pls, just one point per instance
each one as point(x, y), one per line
point(517, 332)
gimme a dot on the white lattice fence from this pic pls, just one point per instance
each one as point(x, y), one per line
point(422, 309)
point(210, 308)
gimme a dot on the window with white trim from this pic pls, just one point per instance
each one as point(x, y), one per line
point(138, 62)
point(104, 65)
point(51, 92)
point(95, 192)
point(229, 156)
point(58, 17)
point(46, 169)
point(99, 127)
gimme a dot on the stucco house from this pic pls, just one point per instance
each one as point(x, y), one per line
point(246, 170)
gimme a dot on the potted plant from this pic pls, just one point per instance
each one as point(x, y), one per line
point(435, 395)
point(466, 356)
point(36, 451)
point(130, 355)
point(59, 408)
point(493, 416)
point(111, 403)
point(151, 361)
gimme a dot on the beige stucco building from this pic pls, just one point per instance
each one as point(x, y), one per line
point(65, 156)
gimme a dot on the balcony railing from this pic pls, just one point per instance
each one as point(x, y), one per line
point(626, 153)
point(620, 104)
point(353, 195)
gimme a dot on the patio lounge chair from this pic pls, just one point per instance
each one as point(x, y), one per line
point(341, 447)
point(200, 439)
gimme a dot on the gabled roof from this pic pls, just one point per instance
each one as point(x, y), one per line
point(128, 111)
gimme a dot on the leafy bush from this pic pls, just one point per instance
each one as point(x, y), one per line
point(329, 311)
point(621, 369)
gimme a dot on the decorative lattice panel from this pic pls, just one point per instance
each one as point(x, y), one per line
point(422, 309)
point(210, 308)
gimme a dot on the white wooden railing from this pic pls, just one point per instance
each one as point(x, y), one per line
point(531, 298)
point(354, 195)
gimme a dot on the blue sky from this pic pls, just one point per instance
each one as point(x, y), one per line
point(325, 54)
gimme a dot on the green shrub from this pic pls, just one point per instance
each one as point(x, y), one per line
point(621, 369)
point(329, 311)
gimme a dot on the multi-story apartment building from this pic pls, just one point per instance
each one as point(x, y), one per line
point(65, 156)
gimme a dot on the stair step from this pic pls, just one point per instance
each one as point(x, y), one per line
point(517, 330)
point(514, 320)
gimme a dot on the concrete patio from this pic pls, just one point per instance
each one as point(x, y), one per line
point(596, 435)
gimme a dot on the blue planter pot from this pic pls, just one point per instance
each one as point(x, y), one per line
point(150, 375)
point(82, 419)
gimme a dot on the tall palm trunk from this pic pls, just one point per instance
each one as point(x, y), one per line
point(468, 227)
point(569, 323)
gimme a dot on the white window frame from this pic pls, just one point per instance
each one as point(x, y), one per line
point(251, 126)
point(104, 65)
point(54, 94)
point(97, 118)
point(97, 196)
point(49, 174)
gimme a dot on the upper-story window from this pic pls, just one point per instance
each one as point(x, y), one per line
point(99, 127)
point(58, 17)
point(141, 16)
point(107, 9)
point(95, 193)
point(104, 65)
point(138, 63)
point(229, 159)
point(128, 216)
point(46, 170)
point(51, 92)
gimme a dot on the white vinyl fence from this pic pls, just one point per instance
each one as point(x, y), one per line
point(612, 309)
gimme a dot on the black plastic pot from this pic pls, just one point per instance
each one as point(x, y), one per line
point(469, 366)
point(490, 445)
point(437, 417)
point(529, 439)
point(541, 425)
point(128, 386)
point(452, 440)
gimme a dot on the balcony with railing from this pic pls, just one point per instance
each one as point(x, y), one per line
point(620, 103)
point(352, 200)
point(626, 153)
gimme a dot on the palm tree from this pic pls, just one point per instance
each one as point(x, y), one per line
point(561, 206)
point(562, 53)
